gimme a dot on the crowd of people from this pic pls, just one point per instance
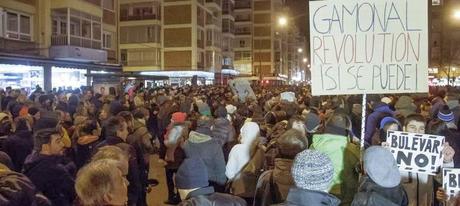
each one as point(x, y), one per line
point(86, 147)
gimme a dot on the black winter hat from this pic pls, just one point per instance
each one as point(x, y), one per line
point(221, 112)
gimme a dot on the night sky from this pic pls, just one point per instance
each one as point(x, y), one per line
point(299, 7)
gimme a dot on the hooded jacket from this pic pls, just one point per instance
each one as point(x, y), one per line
point(301, 197)
point(208, 149)
point(84, 148)
point(207, 197)
point(344, 156)
point(280, 178)
point(223, 131)
point(374, 195)
point(18, 146)
point(241, 153)
point(381, 110)
point(405, 106)
point(51, 178)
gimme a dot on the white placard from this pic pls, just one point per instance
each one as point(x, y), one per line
point(288, 96)
point(369, 46)
point(419, 153)
point(451, 181)
point(243, 89)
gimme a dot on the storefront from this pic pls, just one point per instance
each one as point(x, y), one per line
point(68, 78)
point(21, 76)
point(181, 78)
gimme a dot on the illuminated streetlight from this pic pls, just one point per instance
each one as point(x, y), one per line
point(453, 69)
point(282, 21)
point(305, 60)
point(300, 50)
point(457, 14)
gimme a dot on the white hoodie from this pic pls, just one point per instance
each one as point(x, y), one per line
point(241, 153)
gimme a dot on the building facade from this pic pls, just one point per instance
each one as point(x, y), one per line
point(55, 43)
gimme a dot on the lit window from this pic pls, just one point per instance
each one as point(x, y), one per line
point(107, 40)
point(436, 2)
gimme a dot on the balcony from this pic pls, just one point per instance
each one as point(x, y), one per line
point(140, 17)
point(18, 47)
point(243, 5)
point(214, 5)
point(78, 49)
point(242, 19)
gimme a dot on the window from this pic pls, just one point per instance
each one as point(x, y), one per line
point(108, 4)
point(242, 43)
point(436, 2)
point(18, 26)
point(107, 40)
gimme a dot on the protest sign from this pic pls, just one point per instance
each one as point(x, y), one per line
point(451, 181)
point(369, 46)
point(242, 88)
point(288, 96)
point(419, 153)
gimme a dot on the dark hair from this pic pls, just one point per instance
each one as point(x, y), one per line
point(43, 136)
point(113, 125)
point(139, 113)
point(22, 124)
point(290, 143)
point(127, 116)
point(414, 117)
point(87, 127)
point(436, 127)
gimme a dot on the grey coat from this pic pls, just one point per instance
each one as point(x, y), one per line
point(203, 146)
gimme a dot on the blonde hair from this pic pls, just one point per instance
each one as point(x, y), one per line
point(95, 181)
point(110, 152)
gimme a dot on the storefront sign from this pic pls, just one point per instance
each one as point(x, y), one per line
point(373, 46)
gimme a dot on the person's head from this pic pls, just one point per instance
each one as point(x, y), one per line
point(220, 112)
point(381, 167)
point(49, 141)
point(178, 117)
point(312, 122)
point(114, 153)
point(290, 143)
point(312, 170)
point(296, 122)
point(116, 127)
point(192, 174)
point(102, 90)
point(23, 123)
point(5, 124)
point(415, 123)
point(141, 113)
point(129, 119)
point(89, 127)
point(338, 123)
point(101, 183)
point(104, 113)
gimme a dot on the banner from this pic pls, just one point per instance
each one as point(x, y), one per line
point(288, 96)
point(243, 89)
point(419, 153)
point(369, 46)
point(451, 181)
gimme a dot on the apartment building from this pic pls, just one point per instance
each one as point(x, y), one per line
point(242, 44)
point(228, 37)
point(55, 43)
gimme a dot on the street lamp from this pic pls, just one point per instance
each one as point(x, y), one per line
point(300, 50)
point(457, 14)
point(282, 21)
point(304, 60)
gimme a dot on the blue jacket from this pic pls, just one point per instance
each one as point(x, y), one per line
point(381, 111)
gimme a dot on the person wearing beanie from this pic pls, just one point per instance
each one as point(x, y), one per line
point(273, 185)
point(387, 124)
point(405, 106)
point(380, 110)
point(203, 109)
point(381, 184)
point(335, 143)
point(192, 182)
point(222, 129)
point(312, 172)
point(176, 133)
point(230, 111)
point(446, 115)
point(200, 144)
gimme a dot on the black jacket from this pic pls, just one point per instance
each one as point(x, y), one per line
point(51, 177)
point(18, 146)
point(207, 197)
point(301, 197)
point(371, 194)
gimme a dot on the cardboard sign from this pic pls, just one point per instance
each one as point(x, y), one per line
point(243, 89)
point(419, 153)
point(451, 181)
point(369, 46)
point(288, 96)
